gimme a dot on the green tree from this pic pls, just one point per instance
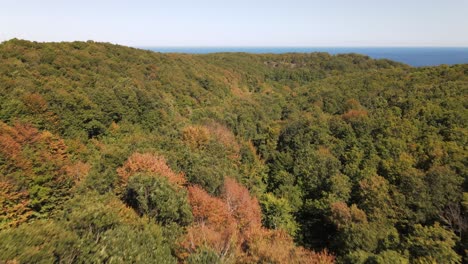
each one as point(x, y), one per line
point(432, 244)
point(158, 198)
point(39, 242)
point(277, 214)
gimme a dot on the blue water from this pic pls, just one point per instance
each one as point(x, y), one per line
point(411, 56)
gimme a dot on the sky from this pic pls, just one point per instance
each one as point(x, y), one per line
point(247, 23)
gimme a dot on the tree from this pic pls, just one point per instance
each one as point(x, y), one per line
point(148, 163)
point(432, 244)
point(230, 227)
point(130, 244)
point(15, 206)
point(33, 171)
point(277, 214)
point(158, 198)
point(39, 242)
point(375, 198)
point(242, 206)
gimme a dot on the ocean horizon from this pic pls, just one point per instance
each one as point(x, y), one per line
point(414, 56)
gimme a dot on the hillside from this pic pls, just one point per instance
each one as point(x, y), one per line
point(113, 154)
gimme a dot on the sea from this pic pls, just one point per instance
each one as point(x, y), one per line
point(414, 56)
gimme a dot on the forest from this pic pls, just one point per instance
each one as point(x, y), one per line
point(112, 154)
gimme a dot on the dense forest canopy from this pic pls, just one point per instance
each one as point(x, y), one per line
point(113, 154)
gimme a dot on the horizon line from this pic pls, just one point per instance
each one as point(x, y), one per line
point(244, 46)
point(331, 46)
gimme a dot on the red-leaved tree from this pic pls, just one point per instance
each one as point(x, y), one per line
point(147, 162)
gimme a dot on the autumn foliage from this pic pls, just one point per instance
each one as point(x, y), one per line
point(342, 215)
point(276, 246)
point(148, 163)
point(15, 205)
point(78, 171)
point(196, 136)
point(359, 156)
point(224, 136)
point(231, 226)
point(244, 208)
point(199, 136)
point(214, 227)
point(37, 106)
point(35, 172)
point(18, 141)
point(354, 115)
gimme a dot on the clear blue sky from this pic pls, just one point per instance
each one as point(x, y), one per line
point(239, 22)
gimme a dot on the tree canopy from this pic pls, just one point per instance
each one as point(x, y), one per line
point(110, 154)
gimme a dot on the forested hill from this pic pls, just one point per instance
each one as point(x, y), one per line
point(110, 154)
